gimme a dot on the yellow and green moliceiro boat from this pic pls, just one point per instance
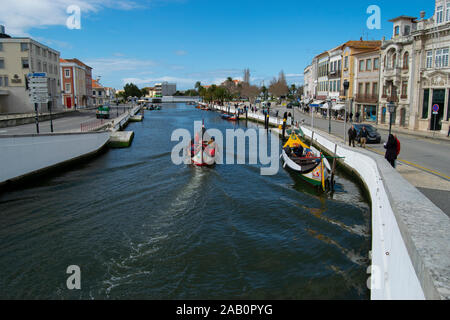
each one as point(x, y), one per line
point(307, 161)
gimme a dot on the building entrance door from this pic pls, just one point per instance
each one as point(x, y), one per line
point(69, 102)
point(438, 99)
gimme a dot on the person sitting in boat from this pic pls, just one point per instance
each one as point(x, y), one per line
point(298, 150)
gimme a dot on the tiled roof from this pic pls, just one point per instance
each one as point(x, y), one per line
point(96, 84)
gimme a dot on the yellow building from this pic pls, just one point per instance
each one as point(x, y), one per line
point(18, 57)
point(349, 50)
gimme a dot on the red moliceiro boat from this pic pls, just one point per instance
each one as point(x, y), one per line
point(203, 149)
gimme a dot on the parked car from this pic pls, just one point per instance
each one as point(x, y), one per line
point(373, 135)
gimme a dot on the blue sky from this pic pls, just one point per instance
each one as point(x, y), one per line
point(185, 41)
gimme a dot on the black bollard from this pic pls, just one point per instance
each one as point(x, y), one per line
point(284, 128)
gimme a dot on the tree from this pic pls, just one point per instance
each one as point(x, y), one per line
point(278, 87)
point(131, 90)
point(250, 92)
point(145, 91)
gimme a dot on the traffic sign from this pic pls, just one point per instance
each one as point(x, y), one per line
point(436, 108)
point(38, 80)
point(37, 75)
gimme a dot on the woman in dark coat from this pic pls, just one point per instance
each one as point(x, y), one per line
point(391, 150)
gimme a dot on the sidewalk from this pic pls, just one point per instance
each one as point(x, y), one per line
point(385, 127)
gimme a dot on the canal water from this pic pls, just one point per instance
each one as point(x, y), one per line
point(140, 227)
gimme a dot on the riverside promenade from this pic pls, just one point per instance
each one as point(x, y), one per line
point(410, 235)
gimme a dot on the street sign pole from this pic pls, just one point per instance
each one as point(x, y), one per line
point(37, 117)
point(51, 118)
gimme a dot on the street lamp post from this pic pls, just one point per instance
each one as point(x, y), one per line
point(391, 107)
point(329, 115)
point(346, 87)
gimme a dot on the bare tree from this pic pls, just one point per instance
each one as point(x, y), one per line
point(250, 92)
point(278, 87)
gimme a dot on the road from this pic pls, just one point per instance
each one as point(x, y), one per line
point(423, 162)
point(70, 123)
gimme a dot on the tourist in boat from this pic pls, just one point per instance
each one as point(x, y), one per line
point(298, 150)
point(352, 136)
point(391, 150)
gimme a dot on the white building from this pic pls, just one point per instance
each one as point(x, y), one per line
point(18, 57)
point(165, 89)
point(416, 71)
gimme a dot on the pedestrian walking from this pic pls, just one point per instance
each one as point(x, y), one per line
point(391, 147)
point(352, 136)
point(363, 137)
point(351, 117)
point(357, 117)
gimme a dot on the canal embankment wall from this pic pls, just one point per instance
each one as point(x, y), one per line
point(410, 235)
point(25, 155)
point(22, 156)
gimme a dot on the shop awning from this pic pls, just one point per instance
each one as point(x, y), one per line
point(339, 107)
point(316, 103)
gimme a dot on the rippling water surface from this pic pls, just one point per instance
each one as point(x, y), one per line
point(141, 228)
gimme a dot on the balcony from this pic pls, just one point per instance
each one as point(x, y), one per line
point(392, 72)
point(392, 98)
point(366, 98)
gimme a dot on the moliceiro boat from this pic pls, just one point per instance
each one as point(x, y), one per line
point(307, 161)
point(202, 150)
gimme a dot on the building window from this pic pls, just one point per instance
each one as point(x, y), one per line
point(447, 14)
point(68, 88)
point(346, 62)
point(45, 66)
point(429, 59)
point(369, 65)
point(396, 30)
point(360, 88)
point(441, 58)
point(394, 60)
point(67, 73)
point(38, 50)
point(375, 88)
point(376, 64)
point(426, 101)
point(2, 64)
point(39, 68)
point(1, 46)
point(93, 93)
point(3, 81)
point(25, 63)
point(405, 89)
point(407, 30)
point(24, 47)
point(406, 61)
point(361, 65)
point(445, 57)
point(367, 88)
point(440, 14)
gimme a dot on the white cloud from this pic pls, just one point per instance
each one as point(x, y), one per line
point(181, 53)
point(103, 66)
point(294, 75)
point(21, 15)
point(148, 81)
